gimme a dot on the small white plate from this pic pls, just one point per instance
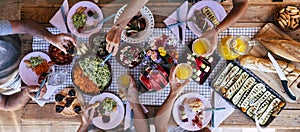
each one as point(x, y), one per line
point(216, 8)
point(143, 35)
point(115, 117)
point(28, 76)
point(191, 115)
point(90, 20)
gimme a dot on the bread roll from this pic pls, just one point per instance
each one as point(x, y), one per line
point(266, 65)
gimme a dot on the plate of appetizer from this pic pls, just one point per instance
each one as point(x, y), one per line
point(139, 28)
point(83, 19)
point(204, 15)
point(68, 102)
point(89, 77)
point(130, 55)
point(110, 113)
point(33, 65)
point(189, 111)
point(59, 57)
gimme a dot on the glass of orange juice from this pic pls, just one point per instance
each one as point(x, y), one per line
point(200, 46)
point(183, 71)
point(231, 47)
point(123, 81)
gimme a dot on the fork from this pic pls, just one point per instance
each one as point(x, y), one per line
point(252, 105)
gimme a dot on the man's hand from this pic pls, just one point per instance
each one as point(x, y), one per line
point(61, 39)
point(113, 38)
point(212, 37)
point(88, 113)
point(175, 86)
point(32, 90)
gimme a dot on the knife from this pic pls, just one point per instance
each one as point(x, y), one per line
point(212, 101)
point(282, 77)
point(179, 26)
point(127, 116)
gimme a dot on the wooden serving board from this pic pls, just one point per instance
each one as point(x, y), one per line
point(272, 79)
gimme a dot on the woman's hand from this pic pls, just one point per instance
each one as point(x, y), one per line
point(212, 37)
point(113, 38)
point(32, 90)
point(132, 93)
point(88, 114)
point(175, 86)
point(59, 40)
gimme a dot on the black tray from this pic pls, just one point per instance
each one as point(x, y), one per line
point(258, 80)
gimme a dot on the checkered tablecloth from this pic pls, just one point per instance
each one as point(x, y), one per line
point(149, 98)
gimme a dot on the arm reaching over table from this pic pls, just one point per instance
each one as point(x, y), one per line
point(164, 113)
point(35, 29)
point(114, 35)
point(140, 122)
point(238, 10)
point(18, 100)
point(86, 117)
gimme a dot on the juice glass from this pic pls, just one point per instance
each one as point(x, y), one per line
point(123, 81)
point(183, 72)
point(200, 46)
point(231, 47)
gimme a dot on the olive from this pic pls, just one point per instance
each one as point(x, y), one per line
point(59, 97)
point(77, 109)
point(69, 102)
point(90, 13)
point(105, 119)
point(71, 92)
point(59, 108)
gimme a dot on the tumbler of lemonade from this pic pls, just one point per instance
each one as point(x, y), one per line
point(231, 47)
point(200, 46)
point(123, 81)
point(183, 72)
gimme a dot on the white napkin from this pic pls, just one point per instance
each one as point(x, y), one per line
point(58, 20)
point(173, 19)
point(48, 94)
point(221, 115)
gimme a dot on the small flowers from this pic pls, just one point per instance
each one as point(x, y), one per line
point(162, 51)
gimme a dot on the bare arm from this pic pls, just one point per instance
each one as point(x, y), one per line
point(163, 114)
point(35, 29)
point(18, 100)
point(140, 122)
point(114, 35)
point(238, 10)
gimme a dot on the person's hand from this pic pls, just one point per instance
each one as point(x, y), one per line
point(113, 38)
point(32, 90)
point(88, 114)
point(59, 40)
point(175, 86)
point(132, 93)
point(212, 37)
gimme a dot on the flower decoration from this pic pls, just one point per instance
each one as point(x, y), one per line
point(161, 50)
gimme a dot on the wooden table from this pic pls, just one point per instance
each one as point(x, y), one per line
point(257, 15)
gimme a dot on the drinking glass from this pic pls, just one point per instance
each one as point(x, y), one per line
point(57, 78)
point(200, 46)
point(183, 71)
point(123, 81)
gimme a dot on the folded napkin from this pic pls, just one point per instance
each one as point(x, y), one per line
point(221, 115)
point(172, 19)
point(49, 93)
point(59, 20)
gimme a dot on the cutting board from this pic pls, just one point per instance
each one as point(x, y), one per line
point(272, 79)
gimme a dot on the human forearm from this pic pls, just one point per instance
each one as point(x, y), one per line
point(14, 102)
point(131, 10)
point(140, 122)
point(30, 27)
point(238, 10)
point(164, 113)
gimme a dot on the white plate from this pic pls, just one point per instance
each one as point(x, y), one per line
point(216, 8)
point(191, 115)
point(143, 35)
point(90, 20)
point(28, 76)
point(115, 117)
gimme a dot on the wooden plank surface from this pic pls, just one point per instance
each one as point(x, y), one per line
point(288, 119)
